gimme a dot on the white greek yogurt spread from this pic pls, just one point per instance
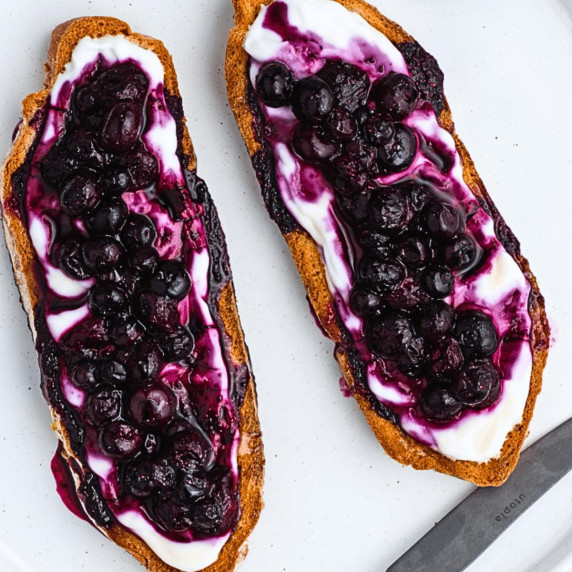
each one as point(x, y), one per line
point(162, 140)
point(333, 31)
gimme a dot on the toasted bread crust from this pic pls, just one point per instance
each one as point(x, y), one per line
point(251, 454)
point(307, 257)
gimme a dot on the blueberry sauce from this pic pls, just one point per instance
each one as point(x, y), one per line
point(128, 328)
point(432, 308)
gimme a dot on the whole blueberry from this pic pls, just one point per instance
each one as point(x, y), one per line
point(121, 127)
point(138, 231)
point(101, 255)
point(438, 404)
point(142, 166)
point(476, 334)
point(395, 95)
point(364, 301)
point(108, 217)
point(442, 220)
point(177, 346)
point(353, 168)
point(388, 333)
point(144, 261)
point(475, 382)
point(70, 259)
point(120, 440)
point(113, 372)
point(151, 407)
point(413, 251)
point(382, 275)
point(389, 210)
point(461, 253)
point(157, 311)
point(107, 299)
point(125, 331)
point(445, 360)
point(438, 281)
point(312, 145)
point(79, 196)
point(170, 279)
point(397, 154)
point(84, 374)
point(312, 100)
point(144, 363)
point(274, 84)
point(436, 320)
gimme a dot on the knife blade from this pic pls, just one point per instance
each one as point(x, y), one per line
point(465, 532)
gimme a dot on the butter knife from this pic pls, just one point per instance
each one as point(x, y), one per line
point(472, 526)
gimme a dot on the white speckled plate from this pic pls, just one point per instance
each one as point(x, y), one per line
point(334, 500)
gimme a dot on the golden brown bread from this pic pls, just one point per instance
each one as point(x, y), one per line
point(307, 257)
point(250, 454)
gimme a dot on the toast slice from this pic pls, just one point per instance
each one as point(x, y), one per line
point(438, 323)
point(123, 271)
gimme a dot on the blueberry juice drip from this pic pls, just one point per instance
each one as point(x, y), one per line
point(130, 335)
point(410, 253)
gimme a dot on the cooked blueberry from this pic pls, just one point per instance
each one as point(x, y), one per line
point(144, 261)
point(103, 405)
point(79, 196)
point(138, 481)
point(442, 219)
point(353, 207)
point(207, 517)
point(120, 440)
point(124, 81)
point(476, 334)
point(312, 145)
point(164, 476)
point(438, 281)
point(364, 302)
point(84, 375)
point(112, 372)
point(412, 356)
point(172, 514)
point(378, 130)
point(475, 383)
point(362, 114)
point(56, 166)
point(151, 407)
point(419, 194)
point(388, 333)
point(398, 153)
point(446, 359)
point(195, 483)
point(171, 279)
point(438, 404)
point(86, 337)
point(70, 259)
point(461, 253)
point(138, 231)
point(107, 299)
point(108, 217)
point(125, 332)
point(374, 240)
point(122, 127)
point(177, 346)
point(101, 254)
point(142, 166)
point(82, 148)
point(312, 99)
point(383, 275)
point(395, 95)
point(127, 279)
point(189, 448)
point(389, 210)
point(340, 125)
point(115, 181)
point(349, 83)
point(274, 84)
point(144, 363)
point(413, 251)
point(407, 296)
point(352, 169)
point(157, 311)
point(436, 320)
